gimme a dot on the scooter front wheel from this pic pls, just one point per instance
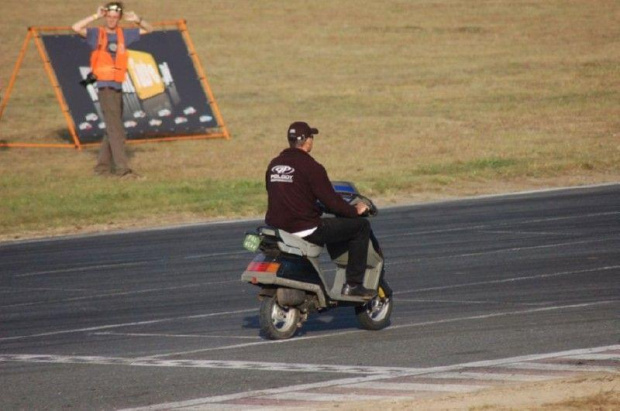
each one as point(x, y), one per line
point(277, 322)
point(375, 314)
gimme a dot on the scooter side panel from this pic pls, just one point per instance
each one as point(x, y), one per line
point(298, 269)
point(267, 269)
point(292, 272)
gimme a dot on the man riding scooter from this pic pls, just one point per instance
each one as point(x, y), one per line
point(294, 182)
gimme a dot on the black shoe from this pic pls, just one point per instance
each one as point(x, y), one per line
point(358, 290)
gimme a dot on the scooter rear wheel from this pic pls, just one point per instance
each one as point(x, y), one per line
point(375, 314)
point(277, 322)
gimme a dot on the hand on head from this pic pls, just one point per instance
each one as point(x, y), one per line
point(100, 11)
point(132, 17)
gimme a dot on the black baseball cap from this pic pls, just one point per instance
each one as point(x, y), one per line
point(300, 130)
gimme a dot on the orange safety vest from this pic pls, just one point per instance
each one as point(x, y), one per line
point(101, 62)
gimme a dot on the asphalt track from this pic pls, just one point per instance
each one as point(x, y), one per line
point(159, 317)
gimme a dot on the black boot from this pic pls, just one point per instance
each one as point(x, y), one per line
point(358, 290)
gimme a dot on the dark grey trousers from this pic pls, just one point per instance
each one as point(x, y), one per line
point(112, 156)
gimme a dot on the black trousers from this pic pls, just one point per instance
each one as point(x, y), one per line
point(345, 234)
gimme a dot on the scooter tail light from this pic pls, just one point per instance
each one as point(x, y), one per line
point(264, 267)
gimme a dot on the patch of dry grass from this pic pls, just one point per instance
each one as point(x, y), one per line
point(592, 392)
point(434, 99)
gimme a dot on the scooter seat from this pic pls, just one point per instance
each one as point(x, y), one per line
point(292, 244)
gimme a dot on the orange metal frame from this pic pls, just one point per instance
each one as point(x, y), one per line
point(34, 34)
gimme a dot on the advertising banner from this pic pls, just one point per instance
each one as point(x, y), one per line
point(162, 94)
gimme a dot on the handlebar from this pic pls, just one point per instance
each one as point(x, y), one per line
point(372, 208)
point(349, 193)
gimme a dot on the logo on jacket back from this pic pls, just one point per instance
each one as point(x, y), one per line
point(282, 174)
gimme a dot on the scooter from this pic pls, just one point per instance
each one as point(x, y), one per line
point(292, 284)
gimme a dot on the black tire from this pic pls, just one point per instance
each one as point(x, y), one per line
point(375, 314)
point(276, 322)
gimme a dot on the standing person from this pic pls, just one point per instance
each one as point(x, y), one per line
point(108, 63)
point(295, 181)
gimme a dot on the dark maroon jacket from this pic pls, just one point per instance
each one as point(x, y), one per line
point(294, 182)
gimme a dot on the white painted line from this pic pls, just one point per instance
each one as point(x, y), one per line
point(561, 367)
point(85, 268)
point(527, 358)
point(235, 407)
point(503, 250)
point(465, 302)
point(329, 368)
point(510, 280)
point(521, 232)
point(262, 342)
point(597, 357)
point(307, 396)
point(225, 254)
point(490, 376)
point(526, 362)
point(233, 365)
point(504, 314)
point(20, 289)
point(178, 335)
point(398, 386)
point(109, 326)
point(118, 294)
